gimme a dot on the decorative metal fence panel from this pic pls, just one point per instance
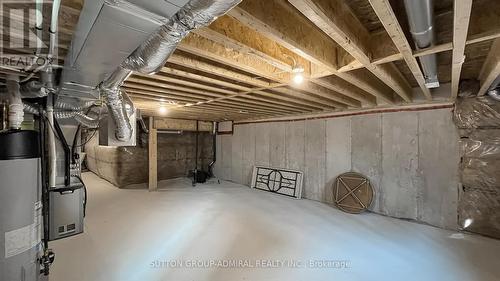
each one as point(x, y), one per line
point(282, 181)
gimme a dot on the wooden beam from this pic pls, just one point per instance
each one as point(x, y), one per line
point(337, 21)
point(181, 89)
point(168, 95)
point(278, 20)
point(484, 25)
point(158, 95)
point(155, 97)
point(182, 82)
point(190, 62)
point(138, 84)
point(229, 74)
point(387, 17)
point(491, 68)
point(207, 109)
point(200, 46)
point(336, 84)
point(461, 11)
point(327, 94)
point(471, 39)
point(308, 97)
point(152, 156)
point(231, 33)
point(230, 94)
point(336, 99)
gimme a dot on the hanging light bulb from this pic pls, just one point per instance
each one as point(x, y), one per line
point(298, 78)
point(298, 73)
point(162, 110)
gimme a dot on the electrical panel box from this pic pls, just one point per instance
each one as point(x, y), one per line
point(66, 211)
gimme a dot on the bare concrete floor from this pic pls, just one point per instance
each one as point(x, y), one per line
point(230, 232)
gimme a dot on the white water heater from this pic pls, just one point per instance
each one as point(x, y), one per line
point(20, 206)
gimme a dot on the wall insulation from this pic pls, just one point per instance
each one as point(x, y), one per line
point(411, 158)
point(123, 166)
point(478, 120)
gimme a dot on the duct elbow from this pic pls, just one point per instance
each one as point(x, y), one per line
point(117, 111)
point(495, 94)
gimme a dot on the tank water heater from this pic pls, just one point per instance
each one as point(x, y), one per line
point(20, 206)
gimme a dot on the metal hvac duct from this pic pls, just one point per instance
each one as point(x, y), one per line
point(151, 55)
point(494, 90)
point(420, 18)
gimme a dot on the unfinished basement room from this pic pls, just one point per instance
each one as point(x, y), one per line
point(250, 140)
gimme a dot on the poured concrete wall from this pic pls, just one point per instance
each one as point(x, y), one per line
point(124, 166)
point(411, 158)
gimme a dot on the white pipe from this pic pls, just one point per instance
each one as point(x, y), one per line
point(16, 108)
point(39, 26)
point(51, 142)
point(56, 5)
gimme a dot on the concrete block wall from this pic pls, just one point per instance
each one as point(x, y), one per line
point(410, 157)
point(125, 166)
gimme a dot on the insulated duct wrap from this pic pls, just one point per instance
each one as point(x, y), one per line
point(478, 121)
point(152, 55)
point(86, 120)
point(79, 116)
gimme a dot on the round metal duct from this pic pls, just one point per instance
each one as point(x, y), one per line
point(352, 193)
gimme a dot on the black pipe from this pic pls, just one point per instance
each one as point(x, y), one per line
point(45, 182)
point(214, 150)
point(195, 172)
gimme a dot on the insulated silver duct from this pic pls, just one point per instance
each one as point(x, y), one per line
point(33, 89)
point(152, 55)
point(86, 120)
point(494, 90)
point(73, 107)
point(79, 116)
point(420, 18)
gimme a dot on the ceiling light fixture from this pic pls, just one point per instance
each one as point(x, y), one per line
point(297, 71)
point(162, 110)
point(298, 78)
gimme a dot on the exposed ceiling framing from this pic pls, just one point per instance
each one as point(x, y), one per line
point(355, 56)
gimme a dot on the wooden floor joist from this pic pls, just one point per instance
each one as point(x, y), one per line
point(336, 20)
point(386, 15)
point(241, 65)
point(231, 33)
point(191, 98)
point(491, 68)
point(461, 12)
point(273, 17)
point(200, 46)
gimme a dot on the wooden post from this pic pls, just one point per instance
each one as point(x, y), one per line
point(153, 156)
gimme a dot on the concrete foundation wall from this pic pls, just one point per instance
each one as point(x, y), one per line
point(411, 158)
point(124, 166)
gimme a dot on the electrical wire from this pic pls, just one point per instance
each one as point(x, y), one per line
point(85, 194)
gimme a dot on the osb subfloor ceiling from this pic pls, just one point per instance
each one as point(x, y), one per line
point(355, 54)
